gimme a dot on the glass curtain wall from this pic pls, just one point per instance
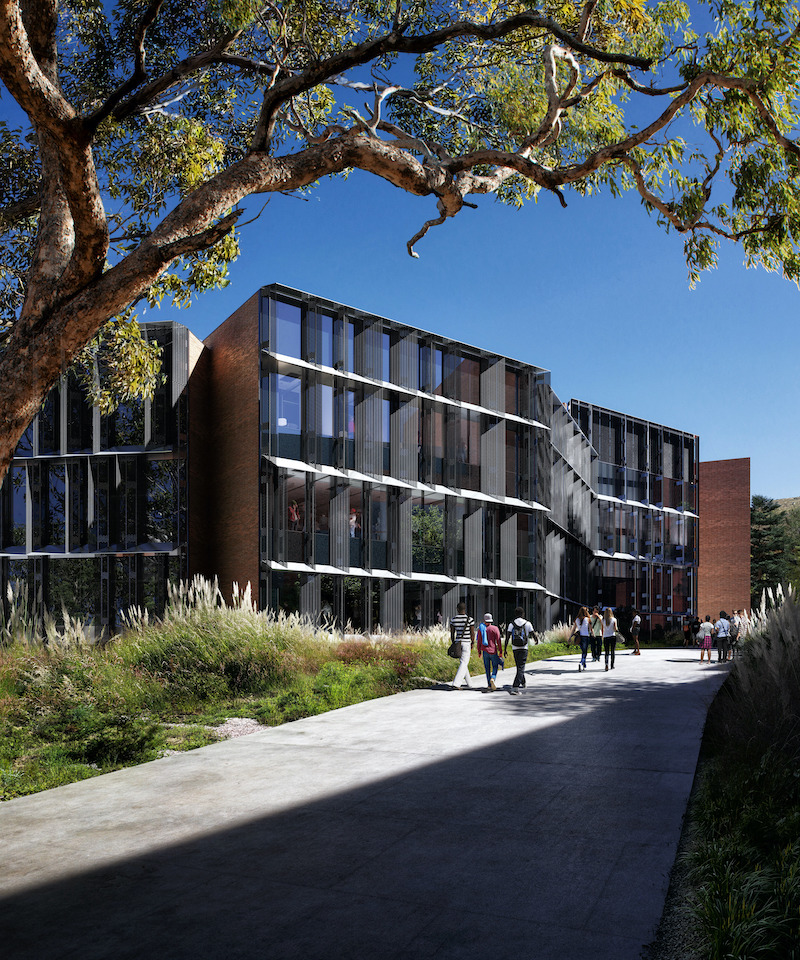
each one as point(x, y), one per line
point(84, 487)
point(389, 428)
point(646, 480)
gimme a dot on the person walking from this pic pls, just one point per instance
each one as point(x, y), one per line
point(609, 635)
point(734, 633)
point(489, 643)
point(636, 626)
point(705, 636)
point(519, 633)
point(462, 628)
point(597, 634)
point(581, 628)
point(723, 629)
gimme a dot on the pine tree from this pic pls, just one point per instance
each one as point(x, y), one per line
point(769, 556)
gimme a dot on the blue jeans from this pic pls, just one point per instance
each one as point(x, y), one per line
point(491, 661)
point(584, 648)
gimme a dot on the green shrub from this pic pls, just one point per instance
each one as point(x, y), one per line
point(747, 861)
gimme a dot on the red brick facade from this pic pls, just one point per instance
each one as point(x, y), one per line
point(724, 568)
point(224, 461)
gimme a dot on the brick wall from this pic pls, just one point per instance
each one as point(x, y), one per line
point(724, 530)
point(226, 519)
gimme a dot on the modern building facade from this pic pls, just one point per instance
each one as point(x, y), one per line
point(400, 471)
point(93, 511)
point(351, 466)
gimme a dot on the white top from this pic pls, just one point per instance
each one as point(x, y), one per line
point(528, 628)
point(609, 629)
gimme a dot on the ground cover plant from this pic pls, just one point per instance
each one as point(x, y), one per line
point(746, 811)
point(71, 709)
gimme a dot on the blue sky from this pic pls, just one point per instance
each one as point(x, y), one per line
point(596, 293)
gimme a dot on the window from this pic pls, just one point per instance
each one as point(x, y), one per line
point(295, 515)
point(288, 329)
point(162, 502)
point(125, 426)
point(50, 423)
point(287, 416)
point(325, 425)
point(73, 585)
point(55, 514)
point(427, 533)
point(325, 339)
point(25, 445)
point(379, 527)
point(78, 475)
point(17, 506)
point(386, 433)
point(386, 368)
point(322, 509)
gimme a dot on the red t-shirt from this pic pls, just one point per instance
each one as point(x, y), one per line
point(492, 639)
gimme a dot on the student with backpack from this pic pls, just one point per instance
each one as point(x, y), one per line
point(518, 634)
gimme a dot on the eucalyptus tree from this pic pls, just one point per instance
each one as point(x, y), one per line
point(149, 123)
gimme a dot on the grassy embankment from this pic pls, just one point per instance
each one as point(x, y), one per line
point(745, 814)
point(71, 710)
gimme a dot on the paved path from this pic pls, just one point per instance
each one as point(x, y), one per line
point(437, 823)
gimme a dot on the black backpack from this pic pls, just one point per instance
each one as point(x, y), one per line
point(733, 630)
point(518, 636)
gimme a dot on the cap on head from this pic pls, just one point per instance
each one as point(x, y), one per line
point(488, 618)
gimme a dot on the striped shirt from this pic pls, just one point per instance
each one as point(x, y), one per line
point(461, 623)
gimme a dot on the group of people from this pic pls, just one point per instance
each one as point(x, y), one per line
point(491, 646)
point(727, 632)
point(600, 631)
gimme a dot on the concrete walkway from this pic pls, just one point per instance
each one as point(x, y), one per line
point(436, 823)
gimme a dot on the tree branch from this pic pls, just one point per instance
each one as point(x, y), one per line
point(398, 42)
point(156, 88)
point(139, 74)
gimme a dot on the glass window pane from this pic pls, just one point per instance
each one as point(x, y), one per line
point(296, 518)
point(79, 501)
point(56, 507)
point(73, 585)
point(350, 334)
point(288, 329)
point(79, 417)
point(25, 445)
point(322, 500)
point(325, 339)
point(385, 357)
point(50, 422)
point(16, 525)
point(162, 502)
point(288, 407)
point(379, 527)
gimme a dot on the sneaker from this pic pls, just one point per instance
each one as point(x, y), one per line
point(492, 685)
